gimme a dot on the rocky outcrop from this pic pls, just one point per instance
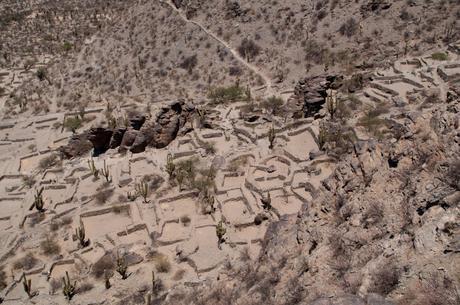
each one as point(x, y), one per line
point(165, 127)
point(100, 138)
point(117, 137)
point(312, 92)
point(78, 145)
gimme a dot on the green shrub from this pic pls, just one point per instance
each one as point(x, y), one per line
point(439, 56)
point(72, 123)
point(221, 95)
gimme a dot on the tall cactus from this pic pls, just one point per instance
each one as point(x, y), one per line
point(68, 290)
point(271, 136)
point(93, 168)
point(81, 235)
point(331, 103)
point(142, 189)
point(170, 166)
point(27, 284)
point(106, 172)
point(38, 203)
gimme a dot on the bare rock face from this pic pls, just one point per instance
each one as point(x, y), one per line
point(117, 137)
point(78, 145)
point(137, 121)
point(165, 127)
point(100, 138)
point(312, 92)
point(128, 139)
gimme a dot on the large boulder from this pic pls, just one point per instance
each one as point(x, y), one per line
point(137, 121)
point(117, 137)
point(100, 138)
point(312, 93)
point(78, 145)
point(165, 127)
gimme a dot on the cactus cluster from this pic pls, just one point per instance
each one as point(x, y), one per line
point(93, 168)
point(142, 189)
point(331, 103)
point(81, 235)
point(38, 203)
point(68, 289)
point(106, 173)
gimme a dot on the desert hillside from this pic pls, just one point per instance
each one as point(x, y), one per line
point(230, 152)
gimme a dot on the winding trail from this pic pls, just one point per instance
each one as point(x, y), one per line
point(269, 91)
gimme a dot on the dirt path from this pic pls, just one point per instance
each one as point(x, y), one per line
point(269, 91)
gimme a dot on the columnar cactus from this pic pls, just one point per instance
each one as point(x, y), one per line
point(220, 232)
point(81, 236)
point(142, 189)
point(38, 201)
point(93, 168)
point(27, 284)
point(331, 103)
point(68, 290)
point(106, 172)
point(170, 166)
point(271, 136)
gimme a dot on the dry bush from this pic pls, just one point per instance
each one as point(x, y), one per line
point(179, 275)
point(49, 246)
point(49, 161)
point(248, 49)
point(189, 63)
point(28, 181)
point(162, 263)
point(55, 285)
point(349, 27)
point(185, 220)
point(26, 263)
point(385, 279)
point(103, 196)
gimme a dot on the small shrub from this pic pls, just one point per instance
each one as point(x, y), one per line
point(26, 263)
point(49, 161)
point(349, 27)
point(28, 181)
point(221, 95)
point(103, 196)
point(439, 56)
point(185, 220)
point(49, 246)
point(210, 148)
point(385, 279)
point(248, 49)
point(162, 263)
point(189, 63)
point(72, 123)
point(178, 275)
point(273, 105)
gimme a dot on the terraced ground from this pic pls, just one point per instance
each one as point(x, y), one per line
point(172, 231)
